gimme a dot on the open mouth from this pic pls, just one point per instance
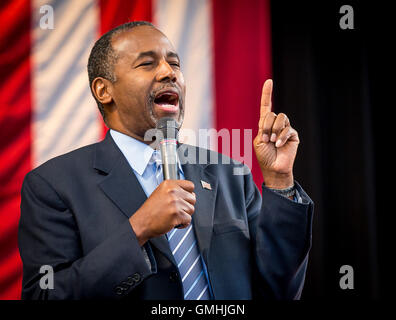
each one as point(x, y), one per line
point(167, 101)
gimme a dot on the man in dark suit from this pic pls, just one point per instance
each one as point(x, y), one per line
point(105, 224)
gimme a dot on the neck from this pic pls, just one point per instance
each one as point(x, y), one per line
point(135, 136)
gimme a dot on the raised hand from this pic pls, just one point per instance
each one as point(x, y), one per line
point(275, 144)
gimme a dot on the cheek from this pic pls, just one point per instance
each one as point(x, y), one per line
point(131, 94)
point(181, 81)
point(182, 84)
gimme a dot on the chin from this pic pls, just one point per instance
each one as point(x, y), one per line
point(178, 116)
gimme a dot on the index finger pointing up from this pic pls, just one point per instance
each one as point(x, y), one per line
point(265, 105)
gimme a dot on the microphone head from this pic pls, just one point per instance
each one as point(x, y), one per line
point(168, 127)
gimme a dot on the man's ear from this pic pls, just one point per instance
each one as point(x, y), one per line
point(101, 88)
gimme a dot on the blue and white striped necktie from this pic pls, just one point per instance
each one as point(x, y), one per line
point(185, 251)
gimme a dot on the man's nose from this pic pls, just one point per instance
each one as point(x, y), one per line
point(166, 72)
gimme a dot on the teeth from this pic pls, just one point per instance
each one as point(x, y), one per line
point(168, 106)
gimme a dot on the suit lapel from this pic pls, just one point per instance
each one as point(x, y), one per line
point(122, 187)
point(205, 205)
point(120, 183)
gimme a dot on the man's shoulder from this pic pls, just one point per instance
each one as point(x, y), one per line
point(205, 156)
point(211, 160)
point(72, 161)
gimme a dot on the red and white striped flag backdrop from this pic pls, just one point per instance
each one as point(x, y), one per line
point(46, 105)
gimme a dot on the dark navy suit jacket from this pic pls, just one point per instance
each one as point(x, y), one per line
point(74, 218)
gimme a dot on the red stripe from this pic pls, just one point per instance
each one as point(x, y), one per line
point(242, 62)
point(15, 142)
point(116, 12)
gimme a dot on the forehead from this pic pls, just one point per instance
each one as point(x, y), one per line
point(141, 39)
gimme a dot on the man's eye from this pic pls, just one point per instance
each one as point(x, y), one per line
point(147, 63)
point(176, 64)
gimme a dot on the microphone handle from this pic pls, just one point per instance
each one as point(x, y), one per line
point(169, 159)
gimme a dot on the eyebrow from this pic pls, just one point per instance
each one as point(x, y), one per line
point(170, 54)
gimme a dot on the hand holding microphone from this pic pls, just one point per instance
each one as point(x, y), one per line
point(172, 203)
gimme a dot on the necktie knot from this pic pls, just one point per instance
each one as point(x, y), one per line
point(156, 158)
point(157, 161)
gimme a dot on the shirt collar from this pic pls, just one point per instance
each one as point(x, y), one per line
point(137, 153)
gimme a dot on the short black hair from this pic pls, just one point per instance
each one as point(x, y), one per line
point(102, 57)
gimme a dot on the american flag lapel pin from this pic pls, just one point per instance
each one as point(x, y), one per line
point(206, 185)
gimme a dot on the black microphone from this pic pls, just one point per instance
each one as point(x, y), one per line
point(168, 134)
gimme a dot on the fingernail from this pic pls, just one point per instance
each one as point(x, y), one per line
point(278, 143)
point(273, 137)
point(265, 137)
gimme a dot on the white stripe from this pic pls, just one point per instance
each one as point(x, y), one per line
point(188, 25)
point(194, 284)
point(65, 115)
point(172, 233)
point(188, 251)
point(189, 270)
point(182, 239)
point(203, 291)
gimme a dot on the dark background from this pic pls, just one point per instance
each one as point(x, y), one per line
point(331, 83)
